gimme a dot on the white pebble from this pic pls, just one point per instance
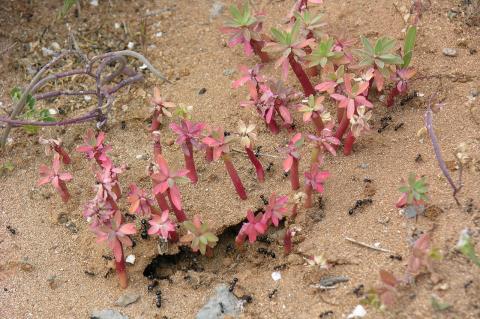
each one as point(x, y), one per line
point(52, 111)
point(276, 275)
point(159, 34)
point(87, 98)
point(358, 312)
point(94, 3)
point(130, 259)
point(130, 45)
point(116, 25)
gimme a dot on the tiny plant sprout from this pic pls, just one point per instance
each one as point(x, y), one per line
point(379, 58)
point(358, 125)
point(244, 28)
point(315, 111)
point(466, 247)
point(94, 147)
point(414, 196)
point(140, 204)
point(404, 73)
point(199, 236)
point(325, 54)
point(55, 146)
point(247, 136)
point(290, 44)
point(422, 256)
point(251, 78)
point(162, 226)
point(324, 142)
point(298, 200)
point(255, 226)
point(166, 182)
point(332, 79)
point(387, 292)
point(115, 234)
point(160, 109)
point(290, 164)
point(276, 209)
point(314, 180)
point(218, 144)
point(55, 177)
point(188, 137)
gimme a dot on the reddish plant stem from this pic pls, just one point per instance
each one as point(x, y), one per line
point(301, 75)
point(257, 48)
point(155, 123)
point(121, 271)
point(179, 213)
point(64, 191)
point(257, 164)
point(157, 148)
point(287, 242)
point(340, 113)
point(349, 140)
point(294, 180)
point(234, 176)
point(308, 199)
point(190, 163)
point(65, 157)
point(294, 211)
point(342, 128)
point(317, 120)
point(273, 127)
point(161, 200)
point(209, 154)
point(391, 97)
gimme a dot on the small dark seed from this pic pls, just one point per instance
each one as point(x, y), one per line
point(202, 91)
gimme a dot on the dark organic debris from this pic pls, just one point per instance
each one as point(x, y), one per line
point(332, 281)
point(360, 203)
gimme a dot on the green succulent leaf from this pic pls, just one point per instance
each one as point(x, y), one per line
point(409, 45)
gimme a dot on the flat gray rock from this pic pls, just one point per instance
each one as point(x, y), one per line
point(107, 314)
point(224, 303)
point(127, 299)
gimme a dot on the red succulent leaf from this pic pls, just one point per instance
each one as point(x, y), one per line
point(256, 225)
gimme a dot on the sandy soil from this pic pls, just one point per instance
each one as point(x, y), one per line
point(55, 240)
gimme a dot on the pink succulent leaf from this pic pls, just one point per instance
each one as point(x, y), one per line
point(253, 228)
point(327, 86)
point(276, 208)
point(287, 163)
point(316, 178)
point(175, 195)
point(161, 225)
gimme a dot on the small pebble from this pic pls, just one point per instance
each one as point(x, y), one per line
point(449, 52)
point(94, 3)
point(159, 34)
point(130, 259)
point(130, 45)
point(202, 91)
point(127, 299)
point(228, 72)
point(276, 275)
point(363, 165)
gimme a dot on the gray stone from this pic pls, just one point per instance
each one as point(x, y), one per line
point(127, 299)
point(363, 165)
point(449, 52)
point(228, 72)
point(107, 314)
point(224, 303)
point(216, 10)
